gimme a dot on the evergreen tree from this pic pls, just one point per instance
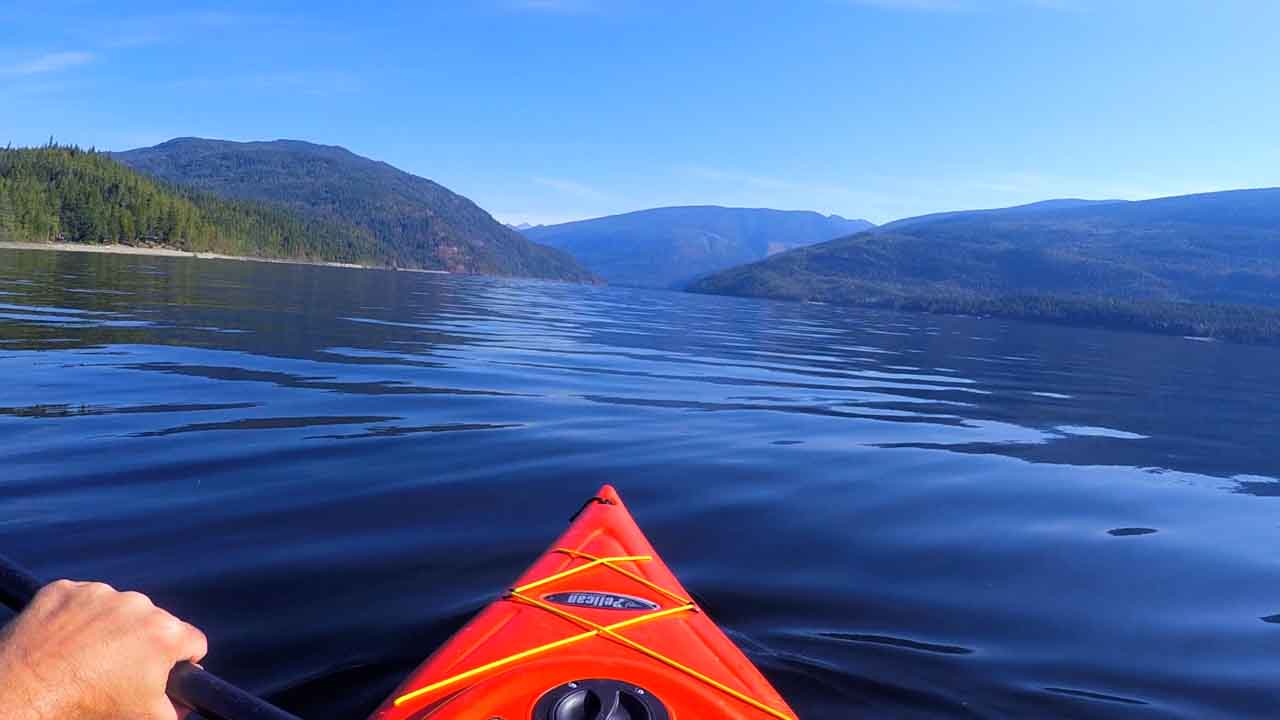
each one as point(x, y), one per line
point(65, 193)
point(8, 222)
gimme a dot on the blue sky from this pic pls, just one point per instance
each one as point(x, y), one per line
point(550, 110)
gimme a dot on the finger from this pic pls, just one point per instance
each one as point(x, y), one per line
point(186, 641)
point(195, 643)
point(175, 639)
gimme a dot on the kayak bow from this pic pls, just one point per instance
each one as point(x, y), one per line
point(597, 629)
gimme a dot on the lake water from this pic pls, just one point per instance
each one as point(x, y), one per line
point(895, 515)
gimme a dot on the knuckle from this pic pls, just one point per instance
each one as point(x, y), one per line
point(55, 595)
point(164, 627)
point(97, 589)
point(178, 638)
point(56, 589)
point(135, 600)
point(195, 647)
point(199, 641)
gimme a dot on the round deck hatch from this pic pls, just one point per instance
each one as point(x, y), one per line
point(599, 700)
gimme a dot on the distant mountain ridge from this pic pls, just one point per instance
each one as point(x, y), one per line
point(1028, 209)
point(1170, 264)
point(670, 246)
point(414, 222)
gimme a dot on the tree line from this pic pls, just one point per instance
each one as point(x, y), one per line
point(68, 194)
point(1222, 321)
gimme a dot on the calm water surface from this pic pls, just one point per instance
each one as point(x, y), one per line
point(896, 515)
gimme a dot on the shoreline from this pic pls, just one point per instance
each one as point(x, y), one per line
point(116, 249)
point(1195, 322)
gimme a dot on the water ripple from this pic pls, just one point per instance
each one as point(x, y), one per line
point(269, 423)
point(983, 518)
point(1089, 695)
point(898, 643)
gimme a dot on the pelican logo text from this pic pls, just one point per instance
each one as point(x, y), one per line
point(600, 601)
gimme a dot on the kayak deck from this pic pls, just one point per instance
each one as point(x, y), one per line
point(598, 621)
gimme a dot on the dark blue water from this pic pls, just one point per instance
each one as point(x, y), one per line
point(896, 515)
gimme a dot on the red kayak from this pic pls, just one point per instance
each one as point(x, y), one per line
point(598, 629)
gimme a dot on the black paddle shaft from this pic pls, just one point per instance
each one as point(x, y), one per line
point(190, 685)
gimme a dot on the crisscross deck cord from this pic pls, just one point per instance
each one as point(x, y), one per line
point(609, 632)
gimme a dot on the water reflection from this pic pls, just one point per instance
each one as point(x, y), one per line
point(909, 516)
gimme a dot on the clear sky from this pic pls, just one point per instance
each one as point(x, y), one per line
point(549, 110)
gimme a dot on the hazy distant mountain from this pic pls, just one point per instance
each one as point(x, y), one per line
point(521, 226)
point(1036, 207)
point(668, 247)
point(1129, 263)
point(414, 221)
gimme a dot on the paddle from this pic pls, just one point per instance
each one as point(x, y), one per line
point(192, 686)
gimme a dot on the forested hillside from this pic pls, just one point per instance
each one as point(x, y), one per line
point(414, 222)
point(1202, 264)
point(73, 195)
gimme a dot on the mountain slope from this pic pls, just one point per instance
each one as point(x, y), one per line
point(64, 193)
point(668, 247)
point(415, 222)
point(1108, 263)
point(1031, 209)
